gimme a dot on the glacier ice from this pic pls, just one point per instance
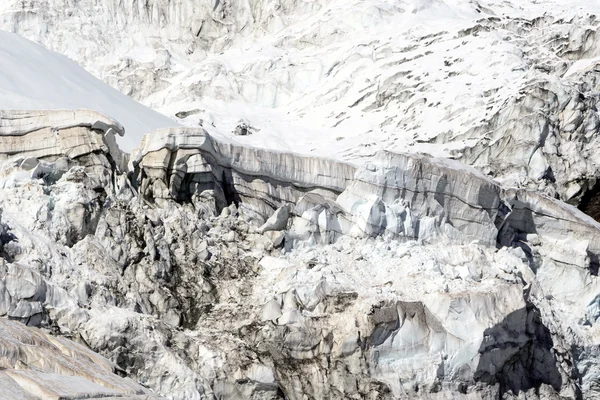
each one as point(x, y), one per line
point(408, 276)
point(337, 251)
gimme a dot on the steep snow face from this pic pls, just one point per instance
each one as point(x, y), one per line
point(35, 78)
point(41, 366)
point(305, 74)
point(346, 79)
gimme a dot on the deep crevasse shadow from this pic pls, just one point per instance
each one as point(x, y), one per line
point(516, 354)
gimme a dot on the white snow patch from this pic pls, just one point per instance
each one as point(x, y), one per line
point(33, 77)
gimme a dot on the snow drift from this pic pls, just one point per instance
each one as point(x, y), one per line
point(32, 77)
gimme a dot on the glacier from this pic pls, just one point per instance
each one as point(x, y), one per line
point(341, 199)
point(407, 277)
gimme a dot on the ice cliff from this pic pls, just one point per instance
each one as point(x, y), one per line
point(368, 199)
point(506, 86)
point(206, 269)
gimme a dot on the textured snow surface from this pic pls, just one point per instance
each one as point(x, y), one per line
point(212, 269)
point(336, 78)
point(32, 77)
point(39, 366)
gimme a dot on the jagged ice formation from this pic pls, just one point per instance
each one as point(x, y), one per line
point(297, 239)
point(406, 277)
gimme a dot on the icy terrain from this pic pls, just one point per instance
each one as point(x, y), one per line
point(296, 239)
point(346, 79)
point(351, 77)
point(209, 270)
point(34, 78)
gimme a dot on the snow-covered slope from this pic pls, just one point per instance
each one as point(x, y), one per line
point(389, 276)
point(346, 79)
point(32, 77)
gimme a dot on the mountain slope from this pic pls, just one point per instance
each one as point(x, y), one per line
point(211, 269)
point(33, 77)
point(346, 79)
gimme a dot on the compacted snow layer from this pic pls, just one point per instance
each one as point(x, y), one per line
point(506, 86)
point(39, 366)
point(32, 77)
